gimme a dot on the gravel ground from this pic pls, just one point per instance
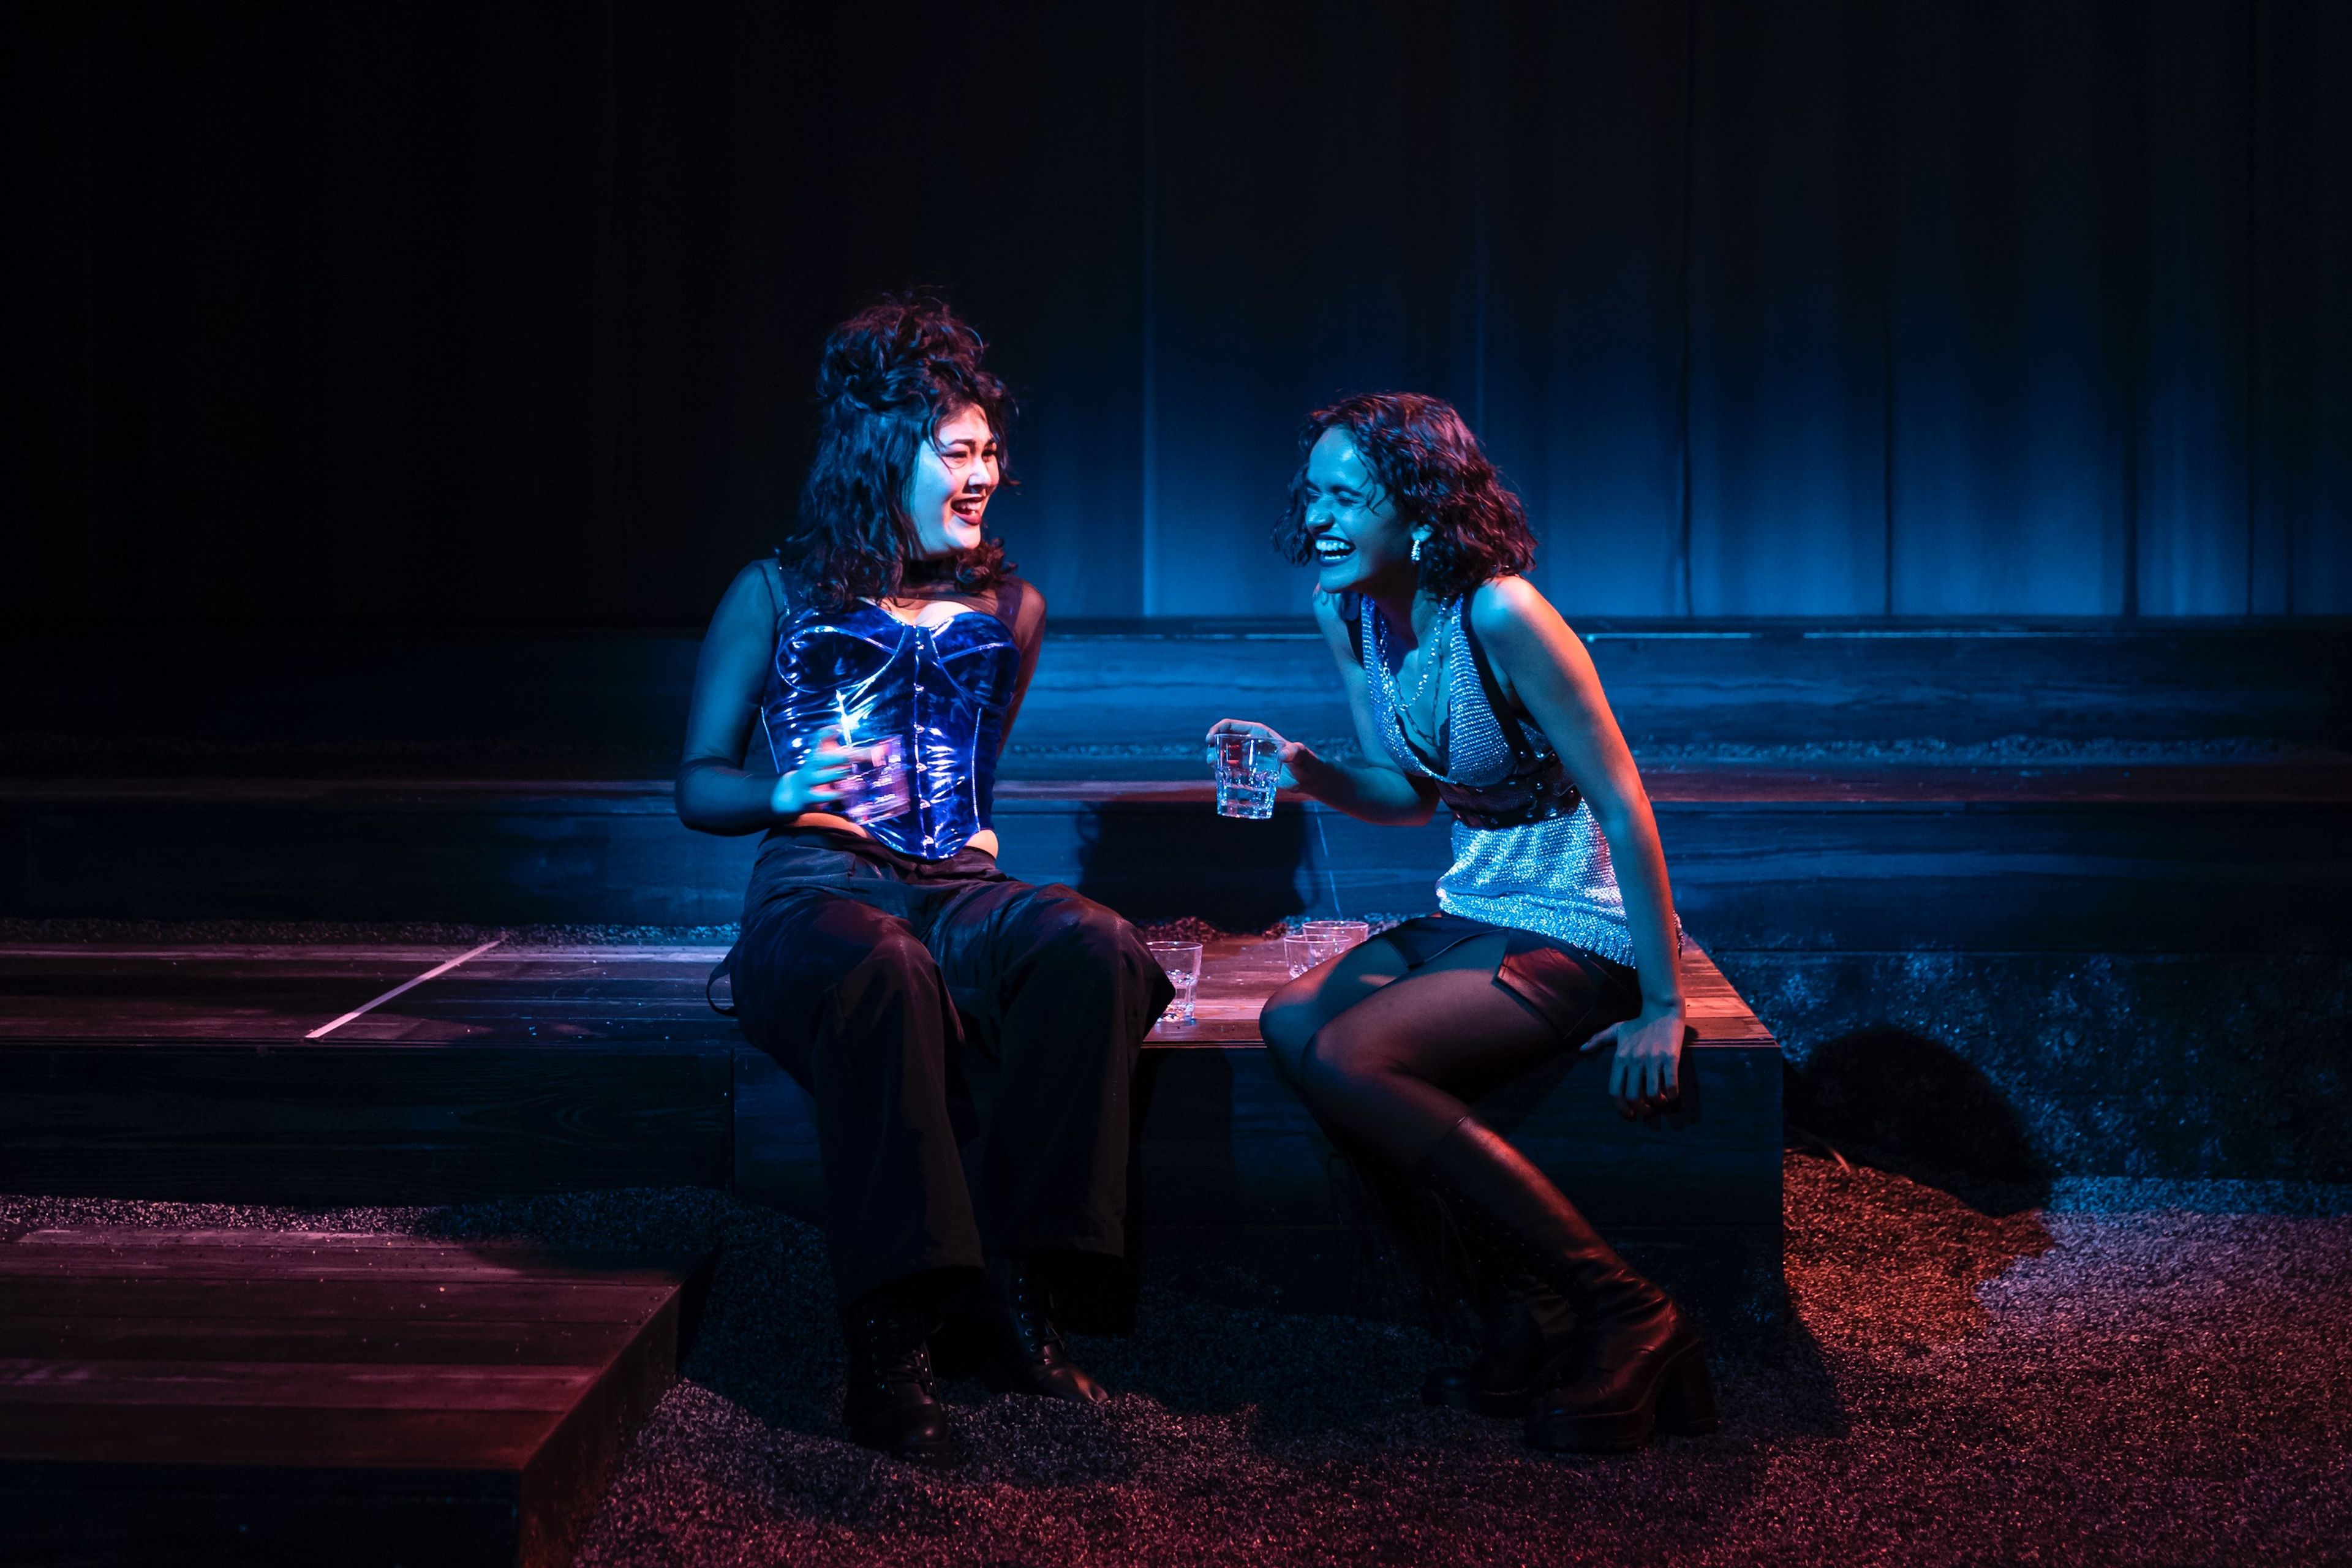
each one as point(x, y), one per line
point(2085, 1383)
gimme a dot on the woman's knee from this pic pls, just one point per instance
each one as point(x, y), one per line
point(802, 974)
point(895, 956)
point(1285, 1032)
point(1075, 930)
point(1287, 1022)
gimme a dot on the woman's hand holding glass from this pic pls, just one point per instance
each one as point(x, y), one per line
point(1287, 749)
point(815, 784)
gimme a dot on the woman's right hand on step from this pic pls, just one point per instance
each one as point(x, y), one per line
point(814, 785)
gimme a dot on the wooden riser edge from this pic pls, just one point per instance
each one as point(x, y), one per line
point(1727, 1277)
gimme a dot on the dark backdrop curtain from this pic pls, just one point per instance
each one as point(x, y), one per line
point(494, 316)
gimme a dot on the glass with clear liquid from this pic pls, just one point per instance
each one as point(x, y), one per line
point(1248, 767)
point(875, 789)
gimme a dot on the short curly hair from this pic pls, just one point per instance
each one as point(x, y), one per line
point(890, 375)
point(1435, 474)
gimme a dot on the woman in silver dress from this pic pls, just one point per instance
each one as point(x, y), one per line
point(1558, 930)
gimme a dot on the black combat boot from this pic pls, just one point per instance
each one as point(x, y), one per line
point(1022, 1349)
point(1636, 1366)
point(893, 1405)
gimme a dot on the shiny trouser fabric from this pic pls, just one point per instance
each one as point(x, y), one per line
point(970, 1042)
point(1390, 1070)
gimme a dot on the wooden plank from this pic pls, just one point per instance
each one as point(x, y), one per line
point(156, 1238)
point(190, 999)
point(303, 1447)
point(45, 1382)
point(563, 1480)
point(389, 1341)
point(1713, 1008)
point(571, 1301)
point(467, 1405)
point(253, 1263)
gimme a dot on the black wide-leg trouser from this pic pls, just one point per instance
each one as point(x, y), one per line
point(970, 1042)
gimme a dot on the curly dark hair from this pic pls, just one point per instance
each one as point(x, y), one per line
point(1435, 473)
point(890, 375)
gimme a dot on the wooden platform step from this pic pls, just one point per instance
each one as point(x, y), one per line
point(192, 1073)
point(241, 1395)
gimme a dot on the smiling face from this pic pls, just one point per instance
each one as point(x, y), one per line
point(1360, 540)
point(955, 473)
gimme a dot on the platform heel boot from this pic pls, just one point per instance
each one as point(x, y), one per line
point(1526, 1343)
point(1022, 1349)
point(1635, 1366)
point(893, 1404)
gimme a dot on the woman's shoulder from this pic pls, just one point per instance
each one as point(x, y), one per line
point(755, 595)
point(1020, 605)
point(1507, 606)
point(759, 582)
point(1018, 593)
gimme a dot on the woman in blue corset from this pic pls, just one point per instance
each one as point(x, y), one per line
point(1558, 931)
point(884, 958)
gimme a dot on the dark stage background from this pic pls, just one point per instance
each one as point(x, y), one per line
point(450, 315)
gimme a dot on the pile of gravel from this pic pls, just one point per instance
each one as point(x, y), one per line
point(2148, 1385)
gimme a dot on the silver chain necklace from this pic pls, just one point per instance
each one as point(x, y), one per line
point(1430, 653)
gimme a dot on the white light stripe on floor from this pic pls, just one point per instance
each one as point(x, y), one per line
point(437, 970)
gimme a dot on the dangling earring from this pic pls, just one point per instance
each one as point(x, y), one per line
point(1416, 547)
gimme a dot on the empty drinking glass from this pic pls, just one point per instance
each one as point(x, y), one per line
point(1181, 961)
point(1330, 939)
point(1248, 767)
point(1297, 956)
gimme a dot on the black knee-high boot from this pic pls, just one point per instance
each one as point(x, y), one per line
point(1525, 1345)
point(1636, 1366)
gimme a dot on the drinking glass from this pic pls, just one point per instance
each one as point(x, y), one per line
point(1181, 961)
point(1330, 939)
point(875, 787)
point(1297, 953)
point(1248, 767)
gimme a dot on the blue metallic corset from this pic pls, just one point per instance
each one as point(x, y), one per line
point(943, 690)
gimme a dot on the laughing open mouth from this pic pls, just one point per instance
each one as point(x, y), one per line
point(1328, 550)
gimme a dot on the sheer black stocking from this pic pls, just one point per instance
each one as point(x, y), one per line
point(1388, 1057)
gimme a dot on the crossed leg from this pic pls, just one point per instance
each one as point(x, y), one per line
point(1387, 1055)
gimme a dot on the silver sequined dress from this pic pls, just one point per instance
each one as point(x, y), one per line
point(1552, 877)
